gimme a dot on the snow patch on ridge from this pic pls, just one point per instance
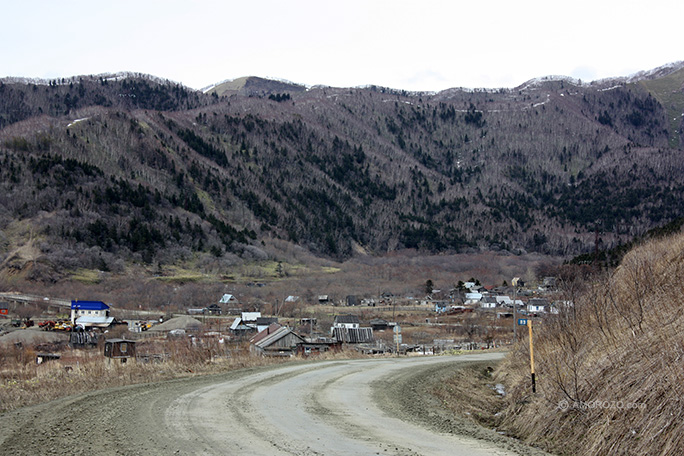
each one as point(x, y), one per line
point(73, 122)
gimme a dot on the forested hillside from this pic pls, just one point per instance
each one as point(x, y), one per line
point(99, 171)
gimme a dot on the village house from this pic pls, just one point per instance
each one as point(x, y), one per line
point(517, 282)
point(213, 309)
point(472, 298)
point(347, 329)
point(90, 314)
point(276, 340)
point(504, 300)
point(346, 321)
point(246, 322)
point(264, 322)
point(351, 300)
point(537, 305)
point(468, 285)
point(318, 345)
point(227, 299)
point(379, 324)
point(558, 306)
point(488, 302)
point(228, 304)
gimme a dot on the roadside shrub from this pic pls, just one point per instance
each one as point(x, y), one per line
point(608, 368)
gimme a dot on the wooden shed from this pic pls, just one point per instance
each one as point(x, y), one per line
point(276, 340)
point(119, 349)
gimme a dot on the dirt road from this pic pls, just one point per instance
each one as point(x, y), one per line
point(350, 407)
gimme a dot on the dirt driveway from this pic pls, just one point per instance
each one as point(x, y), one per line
point(350, 407)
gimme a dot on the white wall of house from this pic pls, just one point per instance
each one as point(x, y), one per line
point(346, 325)
point(75, 313)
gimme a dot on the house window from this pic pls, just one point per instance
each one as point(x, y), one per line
point(124, 347)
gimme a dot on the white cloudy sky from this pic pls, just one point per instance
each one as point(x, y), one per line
point(413, 45)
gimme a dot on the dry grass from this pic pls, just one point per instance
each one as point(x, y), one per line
point(23, 382)
point(610, 377)
point(469, 393)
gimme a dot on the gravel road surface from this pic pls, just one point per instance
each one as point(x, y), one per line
point(347, 407)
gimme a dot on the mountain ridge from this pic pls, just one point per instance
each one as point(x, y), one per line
point(186, 176)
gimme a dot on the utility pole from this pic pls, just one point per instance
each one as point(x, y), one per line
point(515, 313)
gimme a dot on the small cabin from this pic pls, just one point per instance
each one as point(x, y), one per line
point(122, 349)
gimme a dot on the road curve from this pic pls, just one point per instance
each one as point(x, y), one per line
point(324, 408)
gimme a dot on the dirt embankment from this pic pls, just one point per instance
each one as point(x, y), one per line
point(609, 368)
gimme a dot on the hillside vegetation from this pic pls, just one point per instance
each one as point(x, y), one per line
point(101, 171)
point(609, 369)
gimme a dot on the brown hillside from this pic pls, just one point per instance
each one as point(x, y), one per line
point(610, 378)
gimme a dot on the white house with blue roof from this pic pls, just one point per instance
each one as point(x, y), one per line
point(92, 310)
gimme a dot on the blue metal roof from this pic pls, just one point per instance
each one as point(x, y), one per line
point(89, 305)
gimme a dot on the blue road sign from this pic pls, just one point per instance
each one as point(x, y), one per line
point(522, 321)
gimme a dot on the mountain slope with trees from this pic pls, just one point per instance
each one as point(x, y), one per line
point(98, 171)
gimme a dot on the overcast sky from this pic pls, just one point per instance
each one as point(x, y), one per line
point(412, 45)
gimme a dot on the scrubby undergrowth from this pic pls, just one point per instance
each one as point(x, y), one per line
point(23, 383)
point(609, 369)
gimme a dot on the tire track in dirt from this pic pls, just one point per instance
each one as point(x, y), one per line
point(320, 408)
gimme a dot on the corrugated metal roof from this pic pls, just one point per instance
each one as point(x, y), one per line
point(226, 298)
point(353, 335)
point(273, 337)
point(89, 305)
point(265, 332)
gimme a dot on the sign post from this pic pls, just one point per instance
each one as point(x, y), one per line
point(534, 384)
point(528, 322)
